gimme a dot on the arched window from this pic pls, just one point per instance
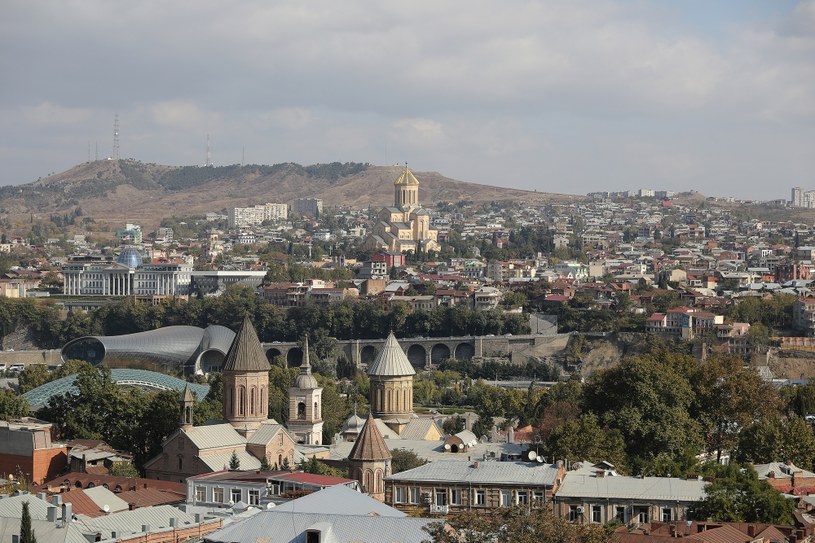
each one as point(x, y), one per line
point(301, 411)
point(316, 414)
point(252, 401)
point(242, 401)
point(230, 402)
point(263, 400)
point(368, 483)
point(378, 481)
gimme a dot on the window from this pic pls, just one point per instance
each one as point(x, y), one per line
point(642, 514)
point(479, 497)
point(620, 513)
point(180, 463)
point(200, 493)
point(506, 498)
point(218, 495)
point(575, 512)
point(523, 497)
point(236, 495)
point(414, 494)
point(455, 496)
point(398, 494)
point(441, 496)
point(538, 497)
point(667, 514)
point(596, 513)
point(254, 497)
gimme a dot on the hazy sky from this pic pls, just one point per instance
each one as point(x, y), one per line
point(571, 96)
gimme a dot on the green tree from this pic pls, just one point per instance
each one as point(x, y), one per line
point(12, 406)
point(729, 396)
point(516, 525)
point(123, 469)
point(774, 439)
point(313, 465)
point(648, 400)
point(26, 531)
point(264, 464)
point(737, 495)
point(234, 461)
point(33, 376)
point(585, 439)
point(404, 459)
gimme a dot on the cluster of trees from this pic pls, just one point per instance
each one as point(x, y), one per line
point(348, 320)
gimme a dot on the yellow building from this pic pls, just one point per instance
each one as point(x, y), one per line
point(405, 227)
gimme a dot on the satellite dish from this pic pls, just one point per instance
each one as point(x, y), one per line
point(531, 455)
point(540, 459)
point(270, 505)
point(446, 446)
point(106, 508)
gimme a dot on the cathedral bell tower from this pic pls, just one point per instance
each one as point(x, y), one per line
point(187, 404)
point(246, 381)
point(406, 191)
point(305, 405)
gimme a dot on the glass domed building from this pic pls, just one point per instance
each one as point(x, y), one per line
point(130, 257)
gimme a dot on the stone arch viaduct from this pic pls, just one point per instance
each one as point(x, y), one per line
point(426, 353)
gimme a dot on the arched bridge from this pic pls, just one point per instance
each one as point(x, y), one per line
point(428, 352)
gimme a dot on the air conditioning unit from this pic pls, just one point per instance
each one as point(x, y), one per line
point(580, 510)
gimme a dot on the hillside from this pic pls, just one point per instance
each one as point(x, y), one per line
point(132, 191)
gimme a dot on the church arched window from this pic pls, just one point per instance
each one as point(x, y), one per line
point(301, 411)
point(242, 400)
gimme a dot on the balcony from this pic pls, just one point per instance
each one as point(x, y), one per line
point(439, 509)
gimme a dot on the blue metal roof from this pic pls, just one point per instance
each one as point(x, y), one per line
point(39, 396)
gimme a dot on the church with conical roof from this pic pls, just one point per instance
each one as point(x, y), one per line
point(404, 227)
point(246, 431)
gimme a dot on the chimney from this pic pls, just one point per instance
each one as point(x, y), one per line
point(56, 500)
point(43, 496)
point(67, 512)
point(114, 535)
point(51, 515)
point(751, 530)
point(145, 528)
point(198, 518)
point(172, 523)
point(476, 464)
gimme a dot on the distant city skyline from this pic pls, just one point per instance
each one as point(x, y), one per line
point(570, 97)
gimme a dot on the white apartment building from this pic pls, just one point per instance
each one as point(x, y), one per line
point(240, 217)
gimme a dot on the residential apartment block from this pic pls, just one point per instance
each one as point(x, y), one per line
point(241, 217)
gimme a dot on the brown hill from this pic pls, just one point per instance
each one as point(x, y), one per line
point(130, 191)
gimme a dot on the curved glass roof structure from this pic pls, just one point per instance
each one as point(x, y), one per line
point(130, 257)
point(175, 348)
point(39, 396)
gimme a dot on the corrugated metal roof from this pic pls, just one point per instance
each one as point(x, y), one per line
point(131, 522)
point(391, 360)
point(619, 486)
point(340, 500)
point(419, 428)
point(487, 472)
point(288, 526)
point(12, 506)
point(246, 354)
point(214, 436)
point(216, 462)
point(266, 433)
point(101, 496)
point(46, 532)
